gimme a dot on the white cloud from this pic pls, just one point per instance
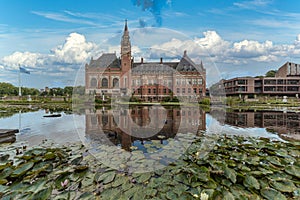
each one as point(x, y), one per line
point(252, 4)
point(214, 47)
point(23, 58)
point(62, 17)
point(63, 58)
point(74, 50)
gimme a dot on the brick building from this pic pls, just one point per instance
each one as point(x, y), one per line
point(147, 81)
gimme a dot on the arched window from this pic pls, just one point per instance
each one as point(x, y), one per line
point(104, 83)
point(93, 83)
point(115, 82)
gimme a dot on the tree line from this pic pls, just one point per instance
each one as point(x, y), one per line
point(7, 89)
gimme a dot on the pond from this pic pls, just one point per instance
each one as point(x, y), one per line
point(153, 150)
point(136, 125)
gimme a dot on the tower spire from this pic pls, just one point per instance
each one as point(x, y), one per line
point(126, 27)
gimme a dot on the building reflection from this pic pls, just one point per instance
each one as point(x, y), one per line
point(276, 121)
point(123, 126)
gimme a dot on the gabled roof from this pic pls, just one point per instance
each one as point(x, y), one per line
point(106, 60)
point(152, 68)
point(186, 64)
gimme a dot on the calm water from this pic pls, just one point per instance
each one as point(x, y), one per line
point(135, 126)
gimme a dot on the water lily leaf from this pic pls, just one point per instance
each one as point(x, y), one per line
point(274, 161)
point(109, 177)
point(151, 192)
point(49, 156)
point(81, 167)
point(6, 172)
point(87, 181)
point(211, 184)
point(120, 180)
point(293, 170)
point(22, 169)
point(4, 158)
point(3, 181)
point(3, 189)
point(4, 165)
point(37, 151)
point(230, 174)
point(171, 195)
point(37, 186)
point(42, 194)
point(87, 196)
point(272, 194)
point(251, 182)
point(77, 160)
point(283, 186)
point(144, 177)
point(228, 196)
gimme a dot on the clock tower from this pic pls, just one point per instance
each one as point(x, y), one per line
point(126, 59)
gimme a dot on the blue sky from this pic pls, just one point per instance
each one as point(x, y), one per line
point(53, 39)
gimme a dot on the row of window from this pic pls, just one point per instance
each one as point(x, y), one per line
point(168, 82)
point(266, 88)
point(169, 91)
point(104, 83)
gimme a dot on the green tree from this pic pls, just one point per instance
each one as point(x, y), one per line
point(8, 89)
point(271, 73)
point(68, 91)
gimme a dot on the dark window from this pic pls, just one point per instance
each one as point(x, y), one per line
point(241, 82)
point(93, 83)
point(115, 82)
point(183, 90)
point(149, 91)
point(154, 91)
point(178, 90)
point(189, 90)
point(165, 91)
point(195, 90)
point(104, 83)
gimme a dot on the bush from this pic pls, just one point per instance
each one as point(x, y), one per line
point(205, 101)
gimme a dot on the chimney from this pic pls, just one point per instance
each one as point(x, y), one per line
point(184, 53)
point(142, 60)
point(161, 60)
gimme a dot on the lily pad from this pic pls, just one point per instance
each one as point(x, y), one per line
point(230, 174)
point(22, 169)
point(251, 182)
point(42, 194)
point(272, 194)
point(283, 186)
point(293, 170)
point(144, 177)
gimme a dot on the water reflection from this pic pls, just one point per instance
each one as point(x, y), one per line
point(286, 124)
point(135, 126)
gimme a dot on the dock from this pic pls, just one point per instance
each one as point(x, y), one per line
point(8, 135)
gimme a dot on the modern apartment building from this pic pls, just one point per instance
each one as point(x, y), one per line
point(285, 83)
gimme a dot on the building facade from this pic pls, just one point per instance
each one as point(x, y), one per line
point(147, 81)
point(285, 83)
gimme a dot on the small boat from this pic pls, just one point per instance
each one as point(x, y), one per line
point(53, 115)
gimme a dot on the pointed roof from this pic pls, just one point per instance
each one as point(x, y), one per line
point(126, 27)
point(186, 64)
point(106, 60)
